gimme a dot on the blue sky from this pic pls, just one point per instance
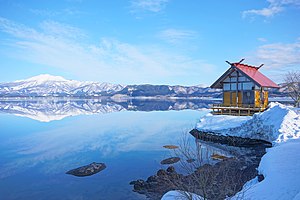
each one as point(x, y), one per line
point(147, 41)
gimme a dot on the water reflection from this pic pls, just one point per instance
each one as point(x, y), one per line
point(217, 171)
point(46, 110)
point(36, 155)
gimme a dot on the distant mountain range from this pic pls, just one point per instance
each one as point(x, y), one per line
point(47, 85)
point(55, 86)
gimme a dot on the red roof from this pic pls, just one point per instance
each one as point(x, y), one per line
point(253, 73)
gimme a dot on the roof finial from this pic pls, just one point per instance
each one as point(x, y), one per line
point(229, 63)
point(241, 60)
point(260, 66)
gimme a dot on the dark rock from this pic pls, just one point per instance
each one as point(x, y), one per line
point(190, 160)
point(132, 182)
point(171, 169)
point(260, 177)
point(213, 181)
point(218, 181)
point(138, 185)
point(229, 140)
point(87, 170)
point(152, 178)
point(169, 161)
point(171, 147)
point(161, 172)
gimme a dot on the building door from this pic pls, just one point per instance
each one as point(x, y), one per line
point(226, 99)
point(236, 99)
point(233, 98)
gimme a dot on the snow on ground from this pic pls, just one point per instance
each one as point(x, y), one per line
point(180, 195)
point(280, 166)
point(220, 122)
point(278, 123)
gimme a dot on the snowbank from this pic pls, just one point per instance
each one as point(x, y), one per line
point(220, 122)
point(280, 166)
point(180, 195)
point(278, 123)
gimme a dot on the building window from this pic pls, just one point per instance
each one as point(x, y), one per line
point(226, 86)
point(233, 86)
point(248, 86)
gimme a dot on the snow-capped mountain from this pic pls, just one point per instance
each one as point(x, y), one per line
point(47, 85)
point(171, 91)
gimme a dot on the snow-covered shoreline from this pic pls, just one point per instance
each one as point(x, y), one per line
point(277, 124)
point(280, 166)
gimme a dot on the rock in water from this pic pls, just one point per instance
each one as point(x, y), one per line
point(190, 160)
point(169, 161)
point(87, 170)
point(170, 146)
point(218, 157)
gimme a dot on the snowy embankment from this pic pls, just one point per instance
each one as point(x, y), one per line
point(180, 195)
point(281, 164)
point(277, 124)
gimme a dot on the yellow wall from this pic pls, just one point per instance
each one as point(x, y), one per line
point(259, 101)
point(232, 101)
point(257, 98)
point(226, 98)
point(233, 98)
point(266, 102)
point(240, 98)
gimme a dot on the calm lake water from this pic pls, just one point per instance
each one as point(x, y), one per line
point(41, 140)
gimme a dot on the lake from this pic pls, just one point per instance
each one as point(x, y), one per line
point(43, 139)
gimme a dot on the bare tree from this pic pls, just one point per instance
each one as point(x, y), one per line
point(292, 82)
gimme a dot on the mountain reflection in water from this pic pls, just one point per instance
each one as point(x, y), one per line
point(46, 110)
point(35, 156)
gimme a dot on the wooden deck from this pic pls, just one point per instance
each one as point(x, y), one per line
point(236, 110)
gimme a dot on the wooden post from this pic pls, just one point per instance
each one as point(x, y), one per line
point(237, 89)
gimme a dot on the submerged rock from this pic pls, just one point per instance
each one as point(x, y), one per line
point(218, 157)
point(87, 170)
point(171, 147)
point(190, 160)
point(220, 179)
point(169, 161)
point(216, 182)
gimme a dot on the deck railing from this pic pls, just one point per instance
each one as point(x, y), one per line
point(239, 110)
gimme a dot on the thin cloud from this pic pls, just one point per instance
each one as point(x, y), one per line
point(52, 13)
point(109, 61)
point(148, 5)
point(265, 12)
point(280, 54)
point(176, 36)
point(275, 7)
point(262, 39)
point(59, 29)
point(278, 58)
